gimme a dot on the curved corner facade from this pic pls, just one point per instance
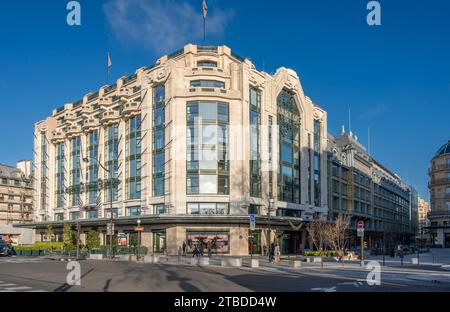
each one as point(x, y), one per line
point(439, 186)
point(190, 146)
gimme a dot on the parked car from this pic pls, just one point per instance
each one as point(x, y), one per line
point(5, 249)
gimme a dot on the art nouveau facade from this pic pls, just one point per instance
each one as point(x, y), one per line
point(191, 146)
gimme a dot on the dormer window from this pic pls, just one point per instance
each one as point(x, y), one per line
point(207, 64)
point(207, 84)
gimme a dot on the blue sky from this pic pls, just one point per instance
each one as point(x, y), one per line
point(394, 78)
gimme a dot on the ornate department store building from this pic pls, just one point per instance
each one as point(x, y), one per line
point(190, 147)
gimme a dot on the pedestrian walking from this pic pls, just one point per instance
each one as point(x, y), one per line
point(184, 249)
point(209, 249)
point(271, 252)
point(277, 253)
point(195, 252)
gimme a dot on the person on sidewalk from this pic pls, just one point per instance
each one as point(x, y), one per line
point(277, 253)
point(271, 252)
point(184, 249)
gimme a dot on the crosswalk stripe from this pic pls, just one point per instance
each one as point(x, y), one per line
point(18, 288)
point(6, 285)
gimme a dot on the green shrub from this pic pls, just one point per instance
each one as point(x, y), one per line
point(325, 253)
point(93, 239)
point(45, 246)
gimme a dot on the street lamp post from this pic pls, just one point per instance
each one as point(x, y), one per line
point(111, 216)
point(271, 203)
point(139, 239)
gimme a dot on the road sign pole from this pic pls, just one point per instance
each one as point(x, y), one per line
point(362, 250)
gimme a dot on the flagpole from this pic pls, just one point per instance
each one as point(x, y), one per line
point(204, 30)
point(107, 69)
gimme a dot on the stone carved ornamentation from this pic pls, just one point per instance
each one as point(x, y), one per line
point(158, 76)
point(255, 81)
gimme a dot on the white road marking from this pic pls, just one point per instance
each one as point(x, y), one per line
point(18, 288)
point(330, 289)
point(6, 285)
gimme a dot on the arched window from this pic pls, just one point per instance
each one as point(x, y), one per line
point(289, 148)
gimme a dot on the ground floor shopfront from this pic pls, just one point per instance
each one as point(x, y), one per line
point(221, 235)
point(440, 236)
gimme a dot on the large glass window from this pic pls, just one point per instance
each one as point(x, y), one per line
point(207, 148)
point(208, 208)
point(43, 182)
point(317, 171)
point(133, 153)
point(255, 155)
point(208, 64)
point(112, 162)
point(75, 172)
point(133, 211)
point(60, 172)
point(159, 140)
point(159, 209)
point(207, 84)
point(289, 148)
point(92, 186)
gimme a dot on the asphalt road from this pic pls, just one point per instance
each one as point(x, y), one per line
point(28, 274)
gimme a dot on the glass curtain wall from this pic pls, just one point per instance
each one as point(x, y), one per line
point(76, 171)
point(133, 152)
point(317, 171)
point(159, 140)
point(207, 148)
point(60, 173)
point(112, 162)
point(92, 186)
point(289, 148)
point(255, 155)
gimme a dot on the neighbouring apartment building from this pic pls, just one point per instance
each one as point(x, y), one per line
point(365, 190)
point(190, 147)
point(16, 198)
point(424, 209)
point(439, 186)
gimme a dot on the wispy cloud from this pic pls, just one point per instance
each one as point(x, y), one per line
point(374, 112)
point(163, 25)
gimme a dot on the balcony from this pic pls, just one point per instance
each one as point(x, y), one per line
point(434, 198)
point(110, 115)
point(438, 168)
point(437, 182)
point(73, 130)
point(87, 110)
point(58, 135)
point(125, 93)
point(130, 107)
point(90, 122)
point(105, 101)
point(71, 116)
point(439, 214)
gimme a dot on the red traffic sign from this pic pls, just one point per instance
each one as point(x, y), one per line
point(139, 229)
point(360, 224)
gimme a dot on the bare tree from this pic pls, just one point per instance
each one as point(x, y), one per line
point(317, 230)
point(337, 234)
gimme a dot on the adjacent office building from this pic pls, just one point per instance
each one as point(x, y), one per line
point(190, 147)
point(439, 186)
point(364, 190)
